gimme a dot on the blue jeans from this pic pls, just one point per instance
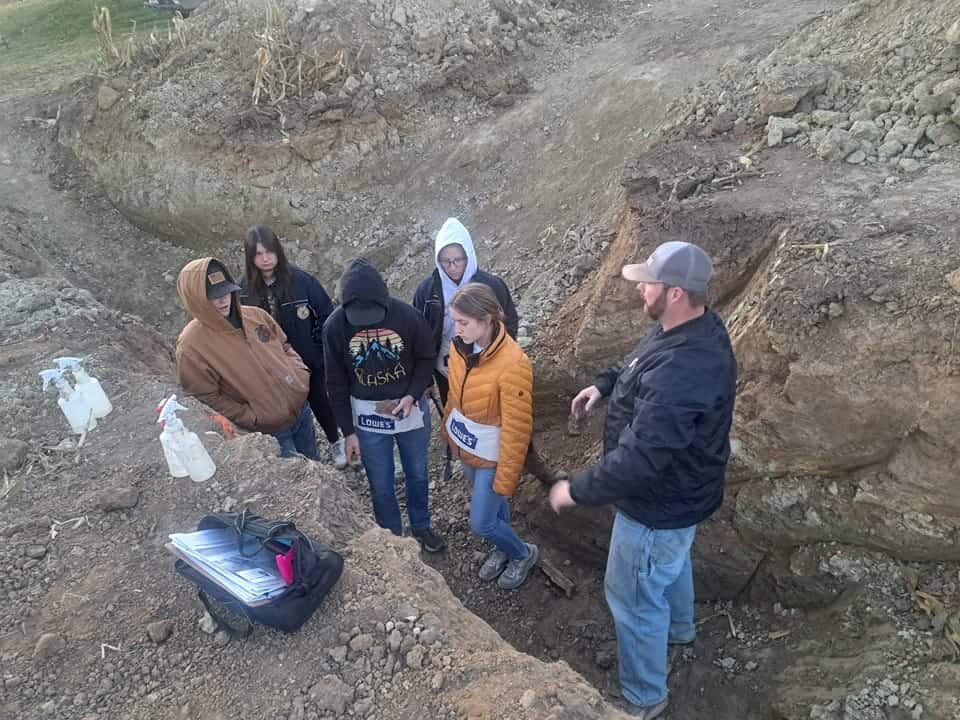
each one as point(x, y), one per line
point(490, 513)
point(649, 588)
point(300, 438)
point(376, 453)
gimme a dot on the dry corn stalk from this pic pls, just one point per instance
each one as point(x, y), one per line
point(283, 70)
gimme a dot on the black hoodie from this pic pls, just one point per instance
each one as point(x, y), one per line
point(385, 361)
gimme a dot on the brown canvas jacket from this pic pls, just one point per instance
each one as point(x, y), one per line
point(249, 374)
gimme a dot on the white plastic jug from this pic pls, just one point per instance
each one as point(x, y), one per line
point(88, 387)
point(185, 454)
point(75, 409)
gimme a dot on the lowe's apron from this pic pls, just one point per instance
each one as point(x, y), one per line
point(366, 417)
point(480, 440)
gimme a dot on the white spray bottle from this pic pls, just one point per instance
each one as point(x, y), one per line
point(184, 452)
point(75, 409)
point(87, 386)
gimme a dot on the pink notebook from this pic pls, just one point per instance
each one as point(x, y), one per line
point(285, 566)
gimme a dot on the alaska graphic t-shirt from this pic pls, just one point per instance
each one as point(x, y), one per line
point(384, 362)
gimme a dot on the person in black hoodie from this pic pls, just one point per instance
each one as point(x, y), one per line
point(666, 444)
point(300, 305)
point(379, 357)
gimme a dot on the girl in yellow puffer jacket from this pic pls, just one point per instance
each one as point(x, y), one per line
point(488, 421)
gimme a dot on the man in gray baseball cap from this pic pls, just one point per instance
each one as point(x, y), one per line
point(666, 443)
point(675, 264)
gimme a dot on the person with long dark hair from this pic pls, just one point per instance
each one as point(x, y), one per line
point(300, 305)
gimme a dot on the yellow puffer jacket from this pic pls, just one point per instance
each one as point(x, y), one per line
point(494, 388)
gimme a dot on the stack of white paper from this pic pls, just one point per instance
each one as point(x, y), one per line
point(214, 553)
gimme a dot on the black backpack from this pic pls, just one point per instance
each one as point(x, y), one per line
point(316, 569)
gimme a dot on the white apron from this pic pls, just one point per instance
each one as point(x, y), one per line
point(366, 417)
point(477, 439)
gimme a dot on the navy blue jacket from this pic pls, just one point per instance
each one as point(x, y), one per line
point(428, 299)
point(301, 314)
point(667, 436)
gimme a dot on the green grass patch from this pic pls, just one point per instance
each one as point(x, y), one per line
point(48, 37)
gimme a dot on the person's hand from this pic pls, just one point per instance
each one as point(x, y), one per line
point(351, 448)
point(560, 496)
point(404, 406)
point(431, 392)
point(585, 401)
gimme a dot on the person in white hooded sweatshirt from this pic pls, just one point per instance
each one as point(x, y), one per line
point(456, 265)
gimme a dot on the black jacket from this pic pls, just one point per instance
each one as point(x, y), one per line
point(383, 362)
point(667, 436)
point(428, 299)
point(301, 314)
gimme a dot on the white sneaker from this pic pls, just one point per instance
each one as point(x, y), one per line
point(338, 455)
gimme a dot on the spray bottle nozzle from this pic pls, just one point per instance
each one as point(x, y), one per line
point(68, 363)
point(53, 375)
point(168, 410)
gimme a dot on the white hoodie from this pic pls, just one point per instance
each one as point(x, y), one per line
point(452, 232)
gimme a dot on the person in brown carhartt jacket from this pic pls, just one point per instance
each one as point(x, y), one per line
point(237, 360)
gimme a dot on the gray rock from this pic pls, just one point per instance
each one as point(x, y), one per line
point(408, 643)
point(944, 134)
point(903, 133)
point(729, 664)
point(878, 105)
point(934, 104)
point(399, 16)
point(48, 645)
point(338, 654)
point(351, 85)
point(605, 658)
point(394, 640)
point(331, 693)
point(861, 115)
point(207, 624)
point(406, 611)
point(13, 453)
point(107, 97)
point(361, 642)
point(950, 86)
point(890, 148)
point(123, 498)
point(857, 157)
point(782, 89)
point(436, 683)
point(866, 130)
point(221, 638)
point(837, 145)
point(779, 128)
point(414, 658)
point(35, 552)
point(299, 710)
point(828, 118)
point(909, 165)
point(429, 636)
point(160, 631)
point(953, 33)
point(528, 699)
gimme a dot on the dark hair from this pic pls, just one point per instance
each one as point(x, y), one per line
point(256, 288)
point(696, 299)
point(477, 301)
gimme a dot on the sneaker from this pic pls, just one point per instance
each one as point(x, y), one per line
point(646, 712)
point(430, 541)
point(493, 565)
point(516, 572)
point(338, 455)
